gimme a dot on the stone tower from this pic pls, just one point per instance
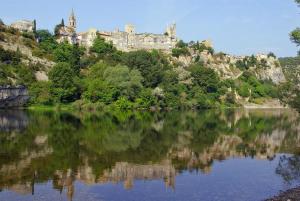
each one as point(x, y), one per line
point(72, 20)
point(171, 30)
point(130, 29)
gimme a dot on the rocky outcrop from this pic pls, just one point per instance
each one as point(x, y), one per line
point(13, 96)
point(271, 70)
point(30, 59)
point(228, 66)
point(23, 25)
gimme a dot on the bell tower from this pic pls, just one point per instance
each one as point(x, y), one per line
point(171, 30)
point(72, 20)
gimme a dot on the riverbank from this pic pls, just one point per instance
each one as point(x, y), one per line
point(291, 195)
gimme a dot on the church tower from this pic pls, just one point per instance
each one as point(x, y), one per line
point(171, 30)
point(72, 20)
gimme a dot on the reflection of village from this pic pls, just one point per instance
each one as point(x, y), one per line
point(266, 145)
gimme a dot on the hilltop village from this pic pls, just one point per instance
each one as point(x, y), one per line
point(156, 70)
point(127, 40)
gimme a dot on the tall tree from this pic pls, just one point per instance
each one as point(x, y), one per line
point(34, 26)
point(295, 35)
point(58, 27)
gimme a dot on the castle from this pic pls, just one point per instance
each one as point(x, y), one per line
point(127, 40)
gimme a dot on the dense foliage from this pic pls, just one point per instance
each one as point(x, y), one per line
point(102, 76)
point(290, 92)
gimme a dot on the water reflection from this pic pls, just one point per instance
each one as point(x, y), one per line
point(128, 147)
point(13, 120)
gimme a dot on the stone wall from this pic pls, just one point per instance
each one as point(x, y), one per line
point(13, 96)
point(130, 42)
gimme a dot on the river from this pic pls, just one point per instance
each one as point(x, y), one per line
point(213, 155)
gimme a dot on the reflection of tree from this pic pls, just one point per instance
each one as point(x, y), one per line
point(289, 168)
point(66, 147)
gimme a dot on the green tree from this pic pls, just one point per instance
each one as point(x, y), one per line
point(75, 58)
point(34, 26)
point(206, 78)
point(98, 90)
point(40, 93)
point(58, 27)
point(47, 42)
point(295, 35)
point(271, 54)
point(63, 52)
point(71, 54)
point(151, 65)
point(244, 89)
point(101, 47)
point(63, 83)
point(128, 82)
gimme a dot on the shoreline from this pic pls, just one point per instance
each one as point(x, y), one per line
point(291, 195)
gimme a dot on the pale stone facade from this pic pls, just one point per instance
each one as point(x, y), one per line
point(127, 40)
point(86, 39)
point(68, 33)
point(23, 25)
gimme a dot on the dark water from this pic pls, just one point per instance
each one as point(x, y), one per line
point(178, 156)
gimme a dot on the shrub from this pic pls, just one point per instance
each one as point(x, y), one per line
point(176, 52)
point(244, 90)
point(40, 93)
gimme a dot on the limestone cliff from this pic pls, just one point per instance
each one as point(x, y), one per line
point(231, 67)
point(13, 96)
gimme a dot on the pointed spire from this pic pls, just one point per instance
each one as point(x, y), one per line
point(72, 20)
point(72, 13)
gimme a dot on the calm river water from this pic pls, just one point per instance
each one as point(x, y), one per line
point(213, 155)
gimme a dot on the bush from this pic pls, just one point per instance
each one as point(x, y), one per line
point(230, 98)
point(7, 56)
point(102, 48)
point(2, 37)
point(244, 90)
point(40, 93)
point(206, 78)
point(271, 54)
point(176, 52)
point(28, 35)
point(123, 104)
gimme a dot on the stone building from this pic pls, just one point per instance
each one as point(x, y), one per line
point(127, 40)
point(68, 33)
point(23, 25)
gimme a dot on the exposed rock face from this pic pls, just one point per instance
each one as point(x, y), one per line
point(13, 96)
point(41, 76)
point(266, 68)
point(26, 52)
point(272, 70)
point(23, 25)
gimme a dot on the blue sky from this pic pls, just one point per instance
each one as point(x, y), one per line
point(235, 26)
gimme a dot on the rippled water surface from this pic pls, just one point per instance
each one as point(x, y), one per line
point(211, 155)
